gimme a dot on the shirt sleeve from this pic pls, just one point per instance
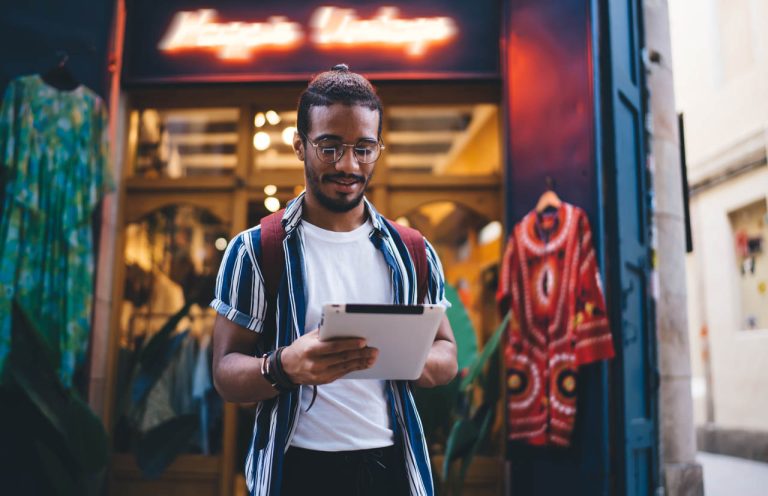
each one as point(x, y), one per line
point(591, 327)
point(436, 291)
point(239, 294)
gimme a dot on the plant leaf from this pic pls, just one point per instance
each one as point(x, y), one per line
point(461, 439)
point(463, 330)
point(489, 349)
point(77, 429)
point(87, 437)
point(57, 474)
point(161, 445)
point(481, 433)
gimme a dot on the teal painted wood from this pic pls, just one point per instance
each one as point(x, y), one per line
point(626, 224)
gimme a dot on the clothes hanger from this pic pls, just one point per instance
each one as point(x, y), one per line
point(60, 77)
point(548, 199)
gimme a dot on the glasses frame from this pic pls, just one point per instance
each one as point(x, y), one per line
point(380, 142)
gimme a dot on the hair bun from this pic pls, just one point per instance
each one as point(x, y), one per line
point(340, 68)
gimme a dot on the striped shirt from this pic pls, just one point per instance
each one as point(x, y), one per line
point(240, 297)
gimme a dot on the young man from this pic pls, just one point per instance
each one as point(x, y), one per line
point(346, 436)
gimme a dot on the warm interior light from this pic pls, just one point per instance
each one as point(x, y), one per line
point(220, 244)
point(403, 221)
point(272, 204)
point(270, 189)
point(298, 190)
point(260, 119)
point(272, 117)
point(261, 141)
point(288, 134)
point(490, 233)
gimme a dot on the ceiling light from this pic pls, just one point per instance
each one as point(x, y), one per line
point(272, 117)
point(403, 221)
point(220, 244)
point(272, 203)
point(288, 134)
point(270, 189)
point(490, 233)
point(261, 141)
point(260, 119)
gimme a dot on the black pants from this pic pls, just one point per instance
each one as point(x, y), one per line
point(379, 471)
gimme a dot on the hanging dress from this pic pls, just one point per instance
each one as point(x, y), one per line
point(53, 152)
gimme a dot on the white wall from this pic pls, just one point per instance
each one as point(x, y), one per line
point(738, 357)
point(720, 64)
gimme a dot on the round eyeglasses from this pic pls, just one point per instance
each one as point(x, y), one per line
point(330, 151)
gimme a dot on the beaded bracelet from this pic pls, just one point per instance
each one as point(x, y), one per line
point(272, 370)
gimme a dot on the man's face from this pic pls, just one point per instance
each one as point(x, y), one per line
point(339, 187)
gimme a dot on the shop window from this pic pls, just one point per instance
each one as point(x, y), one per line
point(172, 256)
point(469, 246)
point(750, 231)
point(446, 140)
point(273, 132)
point(178, 143)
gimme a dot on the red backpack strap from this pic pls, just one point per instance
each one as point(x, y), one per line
point(414, 241)
point(272, 256)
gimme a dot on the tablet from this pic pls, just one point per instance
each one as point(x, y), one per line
point(403, 335)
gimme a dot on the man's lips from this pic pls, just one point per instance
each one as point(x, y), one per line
point(346, 181)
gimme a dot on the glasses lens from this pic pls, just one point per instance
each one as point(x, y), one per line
point(329, 151)
point(367, 151)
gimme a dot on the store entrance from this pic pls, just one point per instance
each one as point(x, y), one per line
point(228, 152)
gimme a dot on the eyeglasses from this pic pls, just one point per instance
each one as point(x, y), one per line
point(330, 151)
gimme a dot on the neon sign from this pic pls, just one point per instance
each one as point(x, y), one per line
point(332, 27)
point(232, 40)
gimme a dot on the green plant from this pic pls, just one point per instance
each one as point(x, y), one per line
point(53, 429)
point(457, 418)
point(479, 390)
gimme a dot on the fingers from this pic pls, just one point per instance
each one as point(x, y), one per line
point(344, 367)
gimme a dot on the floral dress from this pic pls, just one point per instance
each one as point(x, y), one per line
point(53, 161)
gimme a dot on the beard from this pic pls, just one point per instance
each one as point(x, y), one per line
point(334, 204)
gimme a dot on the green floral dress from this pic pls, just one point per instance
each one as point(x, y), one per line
point(53, 147)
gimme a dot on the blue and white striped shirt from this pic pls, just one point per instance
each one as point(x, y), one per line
point(240, 297)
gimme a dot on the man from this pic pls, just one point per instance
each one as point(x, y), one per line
point(354, 436)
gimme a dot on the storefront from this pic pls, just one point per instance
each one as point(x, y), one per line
point(487, 105)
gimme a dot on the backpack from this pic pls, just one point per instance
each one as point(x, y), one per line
point(273, 258)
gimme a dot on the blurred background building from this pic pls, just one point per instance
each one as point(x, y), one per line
point(721, 83)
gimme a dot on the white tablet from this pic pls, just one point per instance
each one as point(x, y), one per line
point(403, 335)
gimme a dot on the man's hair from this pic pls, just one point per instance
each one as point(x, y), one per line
point(339, 85)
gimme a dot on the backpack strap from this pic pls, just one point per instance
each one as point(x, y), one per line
point(272, 256)
point(414, 241)
point(272, 266)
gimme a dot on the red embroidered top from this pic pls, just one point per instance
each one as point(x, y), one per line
point(550, 282)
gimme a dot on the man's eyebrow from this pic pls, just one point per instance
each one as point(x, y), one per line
point(336, 137)
point(327, 136)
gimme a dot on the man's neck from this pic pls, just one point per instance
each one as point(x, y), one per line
point(317, 215)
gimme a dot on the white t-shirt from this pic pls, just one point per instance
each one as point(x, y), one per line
point(348, 414)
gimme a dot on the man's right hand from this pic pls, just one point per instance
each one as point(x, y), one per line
point(308, 360)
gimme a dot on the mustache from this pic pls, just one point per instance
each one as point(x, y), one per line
point(341, 175)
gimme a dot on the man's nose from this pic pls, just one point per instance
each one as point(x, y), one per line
point(348, 163)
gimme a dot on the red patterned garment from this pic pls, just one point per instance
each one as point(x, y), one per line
point(550, 281)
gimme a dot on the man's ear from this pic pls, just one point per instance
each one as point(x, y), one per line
point(298, 146)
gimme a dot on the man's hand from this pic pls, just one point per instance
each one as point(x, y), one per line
point(308, 360)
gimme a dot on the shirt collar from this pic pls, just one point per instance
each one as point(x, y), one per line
point(294, 208)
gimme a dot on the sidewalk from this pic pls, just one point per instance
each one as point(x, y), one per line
point(730, 476)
